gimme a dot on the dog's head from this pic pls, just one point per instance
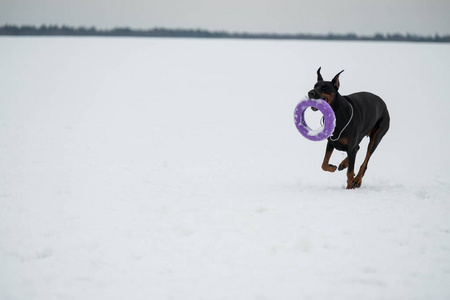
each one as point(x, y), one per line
point(325, 90)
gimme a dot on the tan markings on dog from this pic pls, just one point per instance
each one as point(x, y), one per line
point(350, 177)
point(329, 168)
point(325, 165)
point(328, 97)
point(343, 141)
point(344, 164)
point(371, 132)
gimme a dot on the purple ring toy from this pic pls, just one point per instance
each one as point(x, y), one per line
point(321, 133)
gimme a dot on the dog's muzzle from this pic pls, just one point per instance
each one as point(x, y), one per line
point(313, 94)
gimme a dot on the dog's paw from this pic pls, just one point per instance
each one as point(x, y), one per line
point(357, 182)
point(354, 184)
point(329, 168)
point(343, 165)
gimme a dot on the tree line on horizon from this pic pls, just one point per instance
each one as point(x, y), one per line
point(54, 30)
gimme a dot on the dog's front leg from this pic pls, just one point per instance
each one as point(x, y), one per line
point(325, 165)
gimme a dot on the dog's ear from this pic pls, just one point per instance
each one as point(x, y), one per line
point(319, 77)
point(335, 80)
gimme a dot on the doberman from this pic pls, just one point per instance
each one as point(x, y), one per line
point(357, 115)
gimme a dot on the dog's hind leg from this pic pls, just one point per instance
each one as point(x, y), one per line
point(376, 134)
point(351, 156)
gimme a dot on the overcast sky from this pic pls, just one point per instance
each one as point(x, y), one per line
point(362, 17)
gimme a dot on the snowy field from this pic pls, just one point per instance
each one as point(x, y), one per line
point(172, 169)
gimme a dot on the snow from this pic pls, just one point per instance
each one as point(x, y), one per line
point(172, 169)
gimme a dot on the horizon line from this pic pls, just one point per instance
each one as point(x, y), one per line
point(65, 30)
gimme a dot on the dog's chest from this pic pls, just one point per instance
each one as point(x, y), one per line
point(341, 144)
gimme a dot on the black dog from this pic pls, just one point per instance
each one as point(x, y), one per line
point(357, 115)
